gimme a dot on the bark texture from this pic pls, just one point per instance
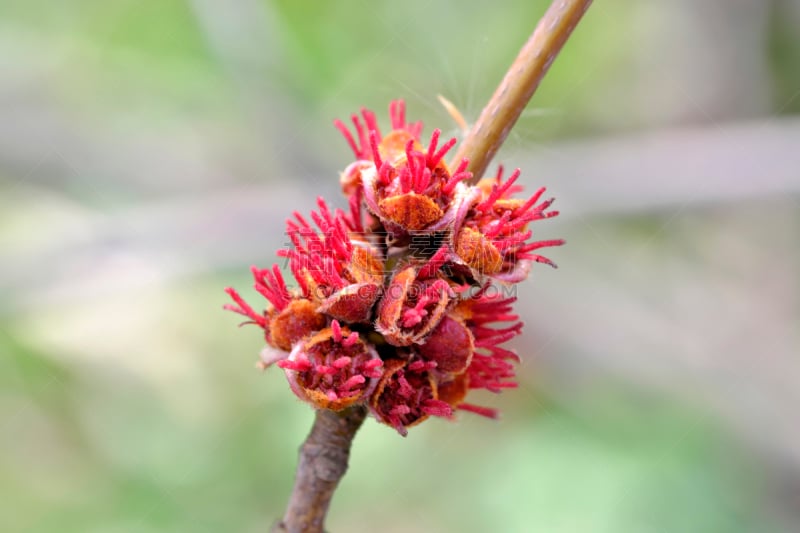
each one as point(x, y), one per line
point(323, 461)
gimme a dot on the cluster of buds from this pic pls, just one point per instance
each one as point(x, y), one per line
point(400, 300)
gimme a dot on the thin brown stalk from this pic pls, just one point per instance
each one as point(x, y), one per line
point(323, 461)
point(519, 84)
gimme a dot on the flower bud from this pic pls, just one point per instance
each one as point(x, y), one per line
point(296, 321)
point(333, 369)
point(406, 395)
point(454, 391)
point(401, 267)
point(408, 188)
point(450, 345)
point(411, 307)
point(478, 251)
point(353, 303)
point(492, 236)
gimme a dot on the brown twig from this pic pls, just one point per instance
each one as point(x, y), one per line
point(323, 462)
point(519, 84)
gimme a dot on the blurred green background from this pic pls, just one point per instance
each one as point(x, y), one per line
point(150, 150)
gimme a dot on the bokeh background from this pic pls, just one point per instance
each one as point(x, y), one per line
point(151, 149)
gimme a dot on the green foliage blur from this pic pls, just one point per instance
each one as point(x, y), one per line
point(129, 401)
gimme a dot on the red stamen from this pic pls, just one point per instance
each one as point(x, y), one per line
point(532, 200)
point(479, 410)
point(347, 137)
point(370, 121)
point(405, 389)
point(362, 137)
point(499, 176)
point(405, 180)
point(437, 408)
point(420, 366)
point(541, 244)
point(353, 381)
point(540, 259)
point(337, 331)
point(441, 153)
point(414, 129)
point(410, 165)
point(424, 179)
point(498, 190)
point(432, 147)
point(270, 284)
point(324, 211)
point(397, 113)
point(385, 173)
point(243, 308)
point(342, 362)
point(351, 339)
point(460, 174)
point(434, 263)
point(355, 220)
point(400, 410)
point(373, 142)
point(302, 365)
point(495, 227)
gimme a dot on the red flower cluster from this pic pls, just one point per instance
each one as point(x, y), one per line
point(396, 304)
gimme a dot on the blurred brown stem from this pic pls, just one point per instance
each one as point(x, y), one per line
point(519, 84)
point(323, 462)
